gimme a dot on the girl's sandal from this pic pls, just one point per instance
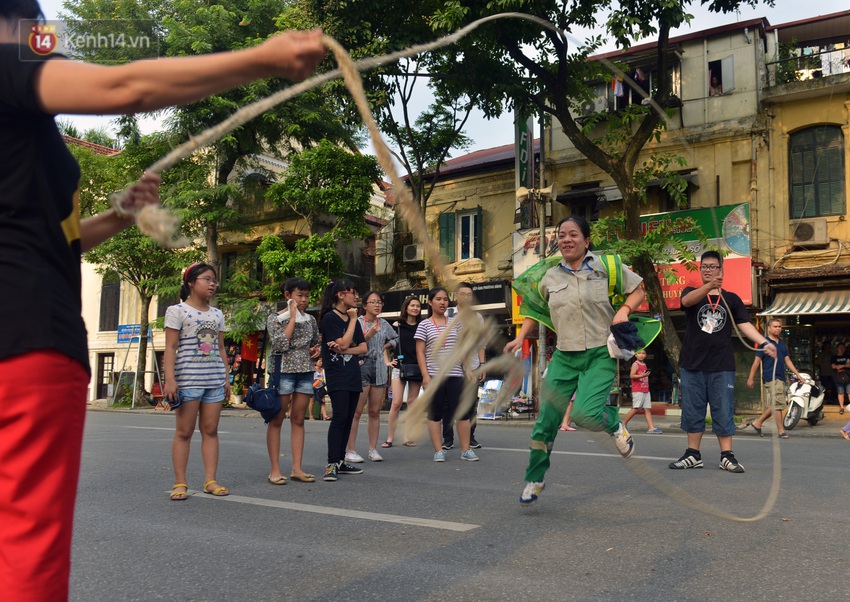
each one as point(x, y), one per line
point(179, 496)
point(218, 491)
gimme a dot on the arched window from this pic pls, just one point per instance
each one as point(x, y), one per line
point(816, 172)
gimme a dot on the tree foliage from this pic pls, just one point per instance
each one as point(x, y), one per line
point(185, 28)
point(314, 259)
point(331, 182)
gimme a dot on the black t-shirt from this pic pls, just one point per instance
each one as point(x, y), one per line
point(408, 343)
point(841, 360)
point(342, 372)
point(40, 307)
point(711, 352)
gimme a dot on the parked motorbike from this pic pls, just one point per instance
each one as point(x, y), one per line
point(805, 401)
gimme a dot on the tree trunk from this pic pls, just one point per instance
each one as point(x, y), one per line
point(645, 267)
point(211, 237)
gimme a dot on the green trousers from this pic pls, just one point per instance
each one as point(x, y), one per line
point(589, 375)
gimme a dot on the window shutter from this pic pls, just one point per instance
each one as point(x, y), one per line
point(110, 300)
point(479, 247)
point(447, 235)
point(727, 69)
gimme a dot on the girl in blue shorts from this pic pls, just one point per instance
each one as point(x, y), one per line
point(195, 375)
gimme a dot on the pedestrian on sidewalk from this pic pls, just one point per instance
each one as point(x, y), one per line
point(707, 362)
point(196, 381)
point(294, 335)
point(841, 374)
point(319, 390)
point(639, 375)
point(773, 377)
point(576, 291)
point(342, 344)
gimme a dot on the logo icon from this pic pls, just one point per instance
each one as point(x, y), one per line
point(42, 39)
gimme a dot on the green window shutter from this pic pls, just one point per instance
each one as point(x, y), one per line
point(447, 235)
point(479, 248)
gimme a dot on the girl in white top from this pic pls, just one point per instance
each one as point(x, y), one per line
point(195, 375)
point(374, 369)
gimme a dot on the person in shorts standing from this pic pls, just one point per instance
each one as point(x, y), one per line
point(639, 375)
point(773, 377)
point(196, 381)
point(294, 335)
point(707, 362)
point(841, 374)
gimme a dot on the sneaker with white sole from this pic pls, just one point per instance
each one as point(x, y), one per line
point(687, 461)
point(374, 456)
point(440, 456)
point(353, 457)
point(469, 455)
point(623, 440)
point(330, 473)
point(655, 431)
point(345, 468)
point(731, 464)
point(474, 444)
point(531, 492)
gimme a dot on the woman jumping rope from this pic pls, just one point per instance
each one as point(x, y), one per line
point(196, 375)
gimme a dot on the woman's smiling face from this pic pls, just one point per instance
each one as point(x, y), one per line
point(571, 242)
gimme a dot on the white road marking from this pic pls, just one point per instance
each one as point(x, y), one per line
point(569, 453)
point(163, 428)
point(342, 512)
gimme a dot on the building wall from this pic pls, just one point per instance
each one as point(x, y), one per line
point(494, 192)
point(107, 341)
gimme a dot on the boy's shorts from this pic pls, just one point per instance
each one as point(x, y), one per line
point(641, 400)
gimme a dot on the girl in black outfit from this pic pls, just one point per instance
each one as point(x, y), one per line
point(408, 320)
point(342, 340)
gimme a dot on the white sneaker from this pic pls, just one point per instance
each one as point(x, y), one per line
point(624, 442)
point(374, 456)
point(353, 457)
point(531, 491)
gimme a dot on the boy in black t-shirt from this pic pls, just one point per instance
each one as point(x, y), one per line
point(707, 362)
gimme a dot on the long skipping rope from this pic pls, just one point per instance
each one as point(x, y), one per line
point(162, 226)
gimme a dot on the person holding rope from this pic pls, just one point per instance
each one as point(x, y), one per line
point(707, 362)
point(576, 290)
point(41, 241)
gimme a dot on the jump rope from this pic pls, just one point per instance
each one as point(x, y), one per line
point(163, 227)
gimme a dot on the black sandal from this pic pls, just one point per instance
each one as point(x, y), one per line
point(386, 444)
point(784, 436)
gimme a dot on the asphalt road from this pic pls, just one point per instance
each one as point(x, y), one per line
point(411, 529)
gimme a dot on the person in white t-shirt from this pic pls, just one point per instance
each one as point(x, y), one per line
point(195, 376)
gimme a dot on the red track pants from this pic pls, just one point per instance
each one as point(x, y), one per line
point(42, 411)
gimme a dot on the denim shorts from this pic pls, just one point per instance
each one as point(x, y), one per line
point(701, 390)
point(296, 382)
point(369, 373)
point(215, 395)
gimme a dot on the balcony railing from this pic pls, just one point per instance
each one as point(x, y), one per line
point(808, 65)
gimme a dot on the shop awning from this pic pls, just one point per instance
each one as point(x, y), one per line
point(827, 301)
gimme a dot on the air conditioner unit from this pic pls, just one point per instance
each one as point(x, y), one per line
point(598, 104)
point(809, 233)
point(414, 253)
